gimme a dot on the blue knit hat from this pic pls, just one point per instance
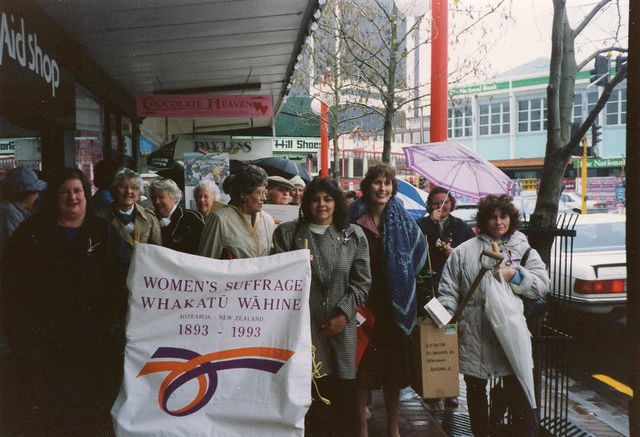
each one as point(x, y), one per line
point(22, 180)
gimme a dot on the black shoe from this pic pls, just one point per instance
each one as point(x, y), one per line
point(433, 404)
point(451, 402)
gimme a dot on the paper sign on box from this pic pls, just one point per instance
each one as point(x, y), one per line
point(435, 360)
point(437, 312)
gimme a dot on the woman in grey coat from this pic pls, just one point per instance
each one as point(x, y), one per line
point(481, 355)
point(340, 283)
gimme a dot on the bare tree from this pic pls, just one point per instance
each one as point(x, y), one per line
point(560, 98)
point(366, 45)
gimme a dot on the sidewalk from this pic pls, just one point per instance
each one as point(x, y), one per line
point(589, 415)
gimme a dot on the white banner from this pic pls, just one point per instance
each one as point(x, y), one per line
point(215, 347)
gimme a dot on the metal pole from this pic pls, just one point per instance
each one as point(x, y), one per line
point(583, 175)
point(439, 70)
point(324, 134)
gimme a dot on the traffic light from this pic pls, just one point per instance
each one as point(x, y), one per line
point(621, 63)
point(577, 150)
point(601, 71)
point(596, 137)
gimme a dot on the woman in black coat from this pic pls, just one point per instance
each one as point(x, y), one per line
point(180, 228)
point(64, 304)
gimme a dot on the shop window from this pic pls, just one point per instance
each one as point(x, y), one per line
point(532, 115)
point(493, 118)
point(577, 108)
point(89, 131)
point(459, 122)
point(616, 108)
point(358, 168)
point(127, 136)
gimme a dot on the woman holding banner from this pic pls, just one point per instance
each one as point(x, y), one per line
point(64, 305)
point(398, 252)
point(340, 282)
point(240, 229)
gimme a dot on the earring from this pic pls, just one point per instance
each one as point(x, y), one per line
point(244, 199)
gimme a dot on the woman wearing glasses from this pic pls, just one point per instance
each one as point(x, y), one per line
point(240, 229)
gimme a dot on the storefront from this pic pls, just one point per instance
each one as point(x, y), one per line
point(56, 107)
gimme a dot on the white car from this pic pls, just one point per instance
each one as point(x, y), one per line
point(572, 203)
point(596, 279)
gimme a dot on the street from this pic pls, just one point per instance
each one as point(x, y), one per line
point(599, 361)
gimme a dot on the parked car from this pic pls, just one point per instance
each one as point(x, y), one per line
point(572, 203)
point(595, 281)
point(467, 212)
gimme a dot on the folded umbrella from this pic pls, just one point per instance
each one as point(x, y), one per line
point(505, 313)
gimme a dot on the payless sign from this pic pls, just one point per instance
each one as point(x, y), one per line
point(169, 105)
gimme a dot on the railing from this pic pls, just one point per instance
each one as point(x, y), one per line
point(550, 345)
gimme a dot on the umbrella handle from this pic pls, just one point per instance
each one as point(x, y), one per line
point(484, 268)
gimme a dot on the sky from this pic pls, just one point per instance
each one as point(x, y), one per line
point(528, 36)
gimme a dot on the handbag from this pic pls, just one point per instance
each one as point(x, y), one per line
point(532, 307)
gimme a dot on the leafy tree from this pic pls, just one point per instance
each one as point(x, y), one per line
point(560, 97)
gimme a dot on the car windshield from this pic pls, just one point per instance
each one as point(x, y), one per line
point(597, 237)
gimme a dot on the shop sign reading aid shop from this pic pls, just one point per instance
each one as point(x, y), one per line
point(22, 47)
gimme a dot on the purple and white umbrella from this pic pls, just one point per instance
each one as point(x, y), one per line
point(454, 166)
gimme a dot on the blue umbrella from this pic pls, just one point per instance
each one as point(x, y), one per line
point(412, 198)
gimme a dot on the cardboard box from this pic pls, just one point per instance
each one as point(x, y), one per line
point(435, 360)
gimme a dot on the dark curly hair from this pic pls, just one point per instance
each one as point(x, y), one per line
point(384, 170)
point(57, 179)
point(488, 205)
point(439, 190)
point(244, 181)
point(329, 186)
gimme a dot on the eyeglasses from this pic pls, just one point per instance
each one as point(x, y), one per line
point(439, 203)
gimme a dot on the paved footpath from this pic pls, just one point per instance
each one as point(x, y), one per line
point(592, 416)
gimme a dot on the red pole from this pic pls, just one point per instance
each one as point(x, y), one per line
point(439, 70)
point(324, 135)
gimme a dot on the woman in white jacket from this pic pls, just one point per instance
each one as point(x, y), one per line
point(481, 355)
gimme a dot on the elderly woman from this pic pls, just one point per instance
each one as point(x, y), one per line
point(481, 355)
point(278, 190)
point(64, 306)
point(135, 223)
point(298, 190)
point(398, 253)
point(240, 229)
point(206, 194)
point(340, 282)
point(180, 228)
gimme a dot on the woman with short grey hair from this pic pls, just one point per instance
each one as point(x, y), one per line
point(206, 196)
point(134, 223)
point(180, 228)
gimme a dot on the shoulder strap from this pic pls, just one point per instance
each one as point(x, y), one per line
point(525, 257)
